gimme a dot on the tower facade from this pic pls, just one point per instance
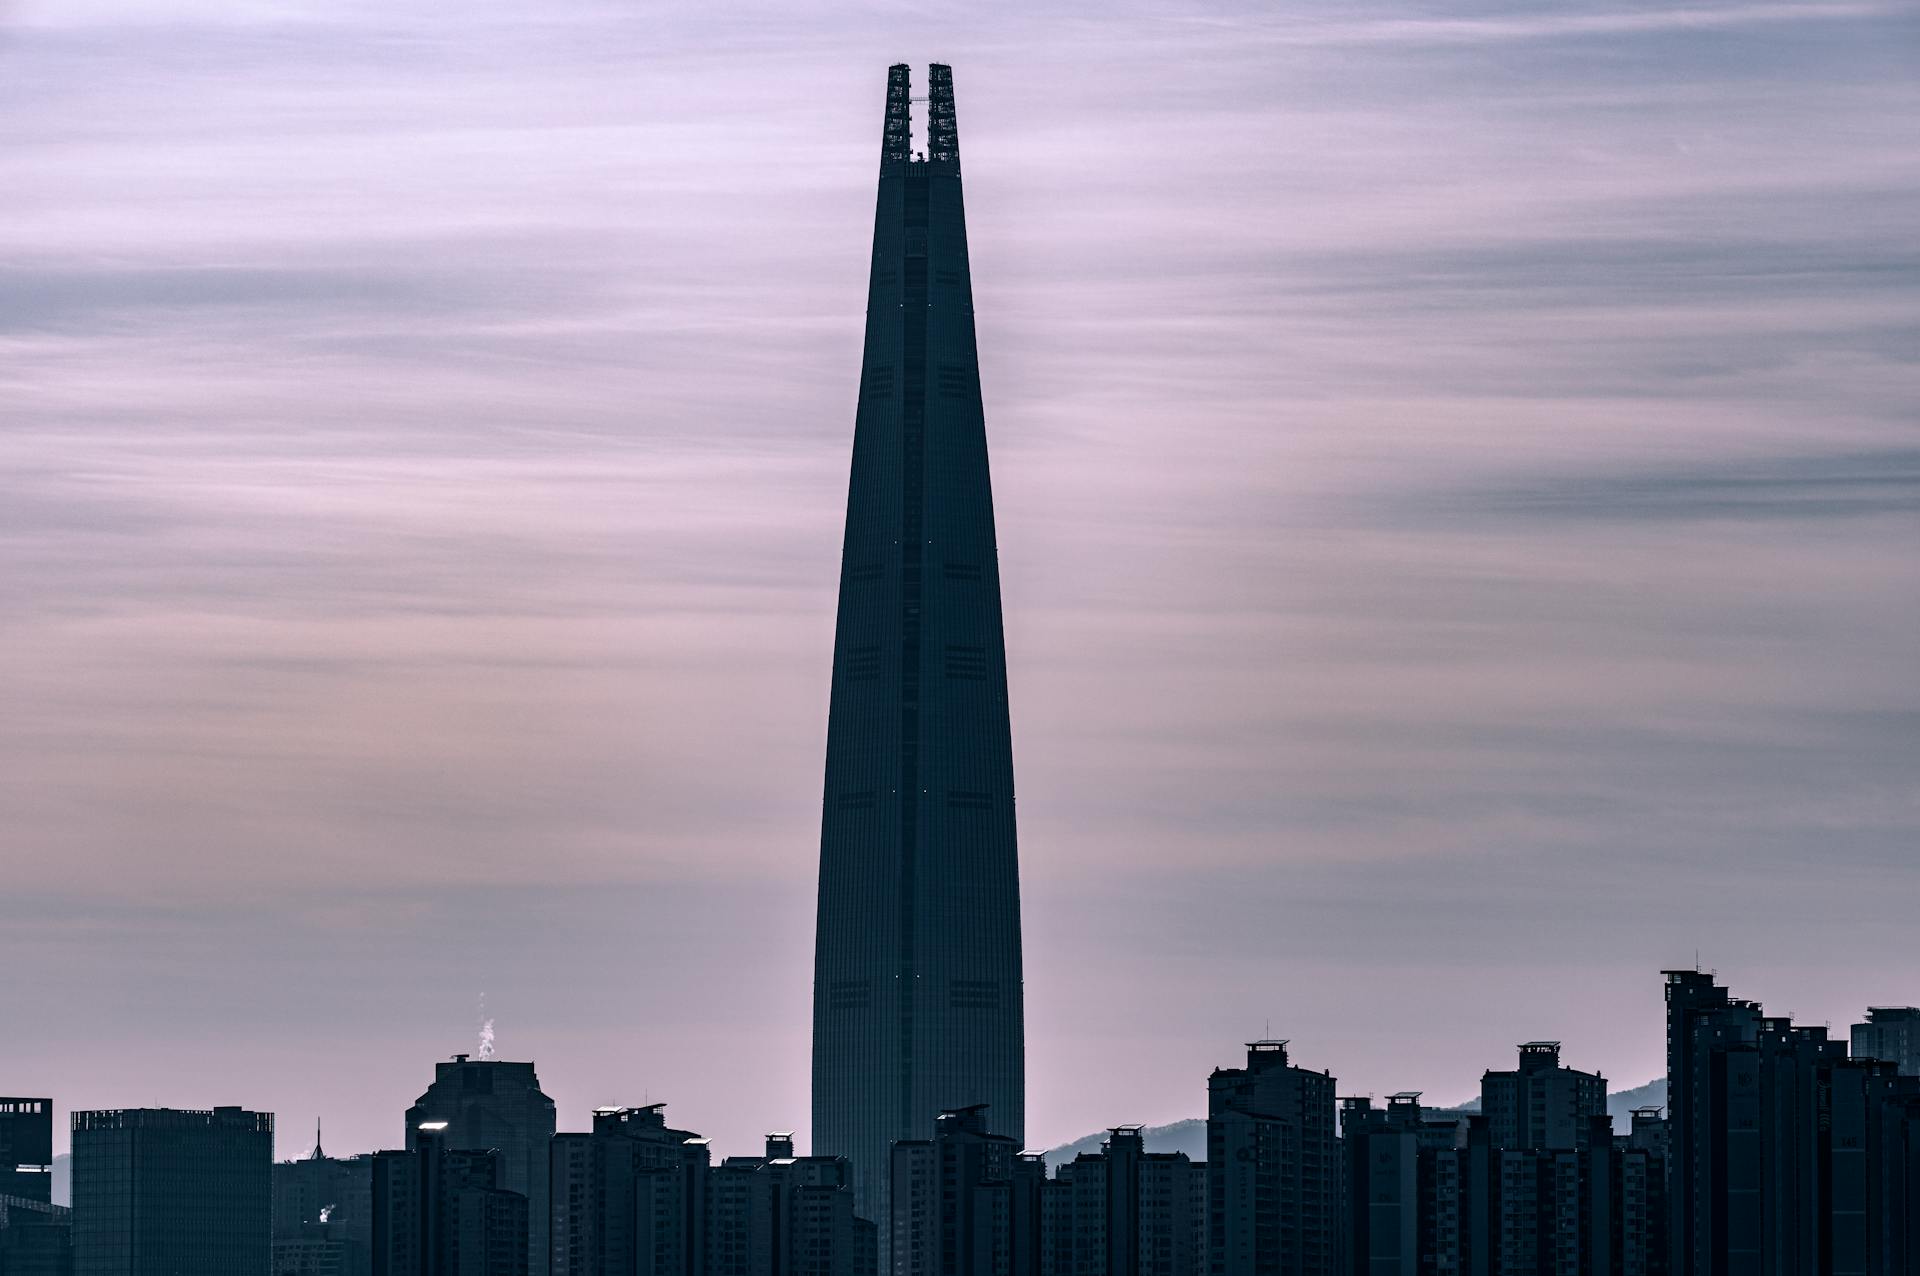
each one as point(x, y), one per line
point(917, 983)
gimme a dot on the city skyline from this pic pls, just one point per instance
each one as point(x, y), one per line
point(1455, 474)
point(1781, 1148)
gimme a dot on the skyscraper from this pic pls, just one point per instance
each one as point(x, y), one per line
point(917, 991)
point(157, 1191)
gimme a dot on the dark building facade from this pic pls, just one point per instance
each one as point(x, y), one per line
point(1273, 1168)
point(158, 1191)
point(1541, 1104)
point(953, 1201)
point(442, 1211)
point(1407, 1201)
point(26, 1149)
point(917, 973)
point(496, 1104)
point(1432, 1194)
point(629, 1198)
point(1785, 1155)
point(1894, 1167)
point(636, 1197)
point(786, 1215)
point(36, 1238)
point(1125, 1211)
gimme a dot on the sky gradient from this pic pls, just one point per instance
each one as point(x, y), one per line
point(1458, 493)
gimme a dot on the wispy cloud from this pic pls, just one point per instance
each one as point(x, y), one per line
point(1536, 24)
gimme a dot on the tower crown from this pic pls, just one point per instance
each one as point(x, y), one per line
point(942, 133)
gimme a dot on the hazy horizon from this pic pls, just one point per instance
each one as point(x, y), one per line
point(1456, 481)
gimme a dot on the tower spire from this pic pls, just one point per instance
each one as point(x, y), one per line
point(318, 1155)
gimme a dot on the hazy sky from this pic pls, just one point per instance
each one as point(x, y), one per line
point(1458, 492)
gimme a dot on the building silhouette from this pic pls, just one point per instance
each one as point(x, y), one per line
point(1893, 1145)
point(1890, 1032)
point(36, 1238)
point(26, 1149)
point(636, 1197)
point(160, 1191)
point(786, 1215)
point(917, 972)
point(1784, 1153)
point(1541, 1104)
point(630, 1196)
point(1400, 1204)
point(496, 1104)
point(1429, 1193)
point(439, 1210)
point(1273, 1170)
point(954, 1211)
point(1125, 1211)
point(323, 1214)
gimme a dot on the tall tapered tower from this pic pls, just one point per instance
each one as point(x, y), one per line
point(917, 996)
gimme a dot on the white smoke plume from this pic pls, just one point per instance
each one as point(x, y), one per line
point(486, 1029)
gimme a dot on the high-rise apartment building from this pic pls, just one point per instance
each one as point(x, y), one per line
point(1273, 1169)
point(440, 1210)
point(1540, 1104)
point(785, 1215)
point(952, 1200)
point(917, 972)
point(159, 1192)
point(1125, 1211)
point(1434, 1194)
point(496, 1104)
point(629, 1197)
point(1890, 1032)
point(1783, 1152)
point(1406, 1196)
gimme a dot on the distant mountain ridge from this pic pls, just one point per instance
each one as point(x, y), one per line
point(1190, 1136)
